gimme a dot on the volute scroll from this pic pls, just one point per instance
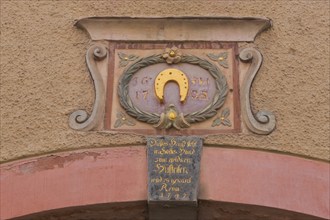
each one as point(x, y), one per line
point(263, 122)
point(80, 120)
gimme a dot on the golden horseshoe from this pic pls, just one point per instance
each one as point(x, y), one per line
point(171, 75)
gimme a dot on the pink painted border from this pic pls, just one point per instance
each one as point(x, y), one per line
point(266, 179)
point(73, 179)
point(111, 175)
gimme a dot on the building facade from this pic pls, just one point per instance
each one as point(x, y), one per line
point(51, 171)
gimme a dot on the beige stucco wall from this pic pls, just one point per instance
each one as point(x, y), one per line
point(44, 77)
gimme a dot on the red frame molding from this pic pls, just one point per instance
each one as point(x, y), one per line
point(182, 45)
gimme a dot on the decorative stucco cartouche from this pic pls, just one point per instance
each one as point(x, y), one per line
point(44, 77)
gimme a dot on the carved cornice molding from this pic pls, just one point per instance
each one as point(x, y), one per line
point(239, 29)
point(264, 121)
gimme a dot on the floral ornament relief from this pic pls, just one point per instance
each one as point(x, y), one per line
point(123, 120)
point(172, 55)
point(125, 59)
point(223, 119)
point(170, 118)
point(221, 58)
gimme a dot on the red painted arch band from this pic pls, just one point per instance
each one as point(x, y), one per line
point(113, 175)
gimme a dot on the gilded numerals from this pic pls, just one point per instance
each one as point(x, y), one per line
point(200, 88)
point(197, 92)
point(200, 81)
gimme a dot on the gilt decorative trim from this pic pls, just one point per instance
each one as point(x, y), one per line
point(263, 122)
point(80, 120)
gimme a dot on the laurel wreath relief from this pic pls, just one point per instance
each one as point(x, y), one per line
point(186, 119)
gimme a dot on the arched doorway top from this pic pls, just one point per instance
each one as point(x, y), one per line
point(117, 175)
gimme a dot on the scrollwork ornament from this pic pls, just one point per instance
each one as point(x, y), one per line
point(155, 119)
point(263, 122)
point(80, 120)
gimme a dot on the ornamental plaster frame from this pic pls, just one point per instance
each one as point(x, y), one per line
point(178, 29)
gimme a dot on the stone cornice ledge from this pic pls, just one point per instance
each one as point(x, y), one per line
point(241, 29)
